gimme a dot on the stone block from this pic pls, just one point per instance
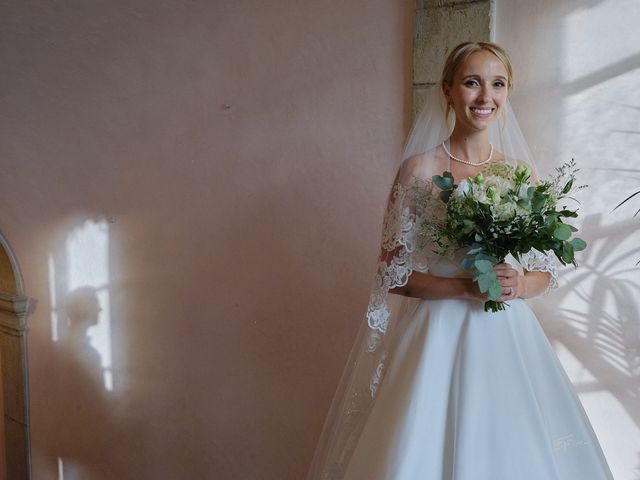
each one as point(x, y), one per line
point(420, 94)
point(440, 28)
point(444, 3)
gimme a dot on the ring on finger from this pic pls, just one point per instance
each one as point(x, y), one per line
point(510, 291)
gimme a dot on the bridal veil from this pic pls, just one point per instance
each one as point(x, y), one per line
point(387, 313)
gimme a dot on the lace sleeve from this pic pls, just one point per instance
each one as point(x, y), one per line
point(399, 252)
point(537, 261)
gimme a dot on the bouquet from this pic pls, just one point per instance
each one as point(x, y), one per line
point(500, 212)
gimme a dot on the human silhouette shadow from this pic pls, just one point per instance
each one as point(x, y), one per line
point(79, 420)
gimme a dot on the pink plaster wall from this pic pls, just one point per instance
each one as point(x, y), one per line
point(241, 239)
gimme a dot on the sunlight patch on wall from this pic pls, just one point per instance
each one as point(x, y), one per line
point(55, 327)
point(79, 274)
point(60, 469)
point(599, 313)
point(602, 101)
point(586, 53)
point(87, 253)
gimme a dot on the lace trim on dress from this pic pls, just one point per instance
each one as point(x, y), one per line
point(377, 375)
point(403, 250)
point(537, 261)
point(399, 256)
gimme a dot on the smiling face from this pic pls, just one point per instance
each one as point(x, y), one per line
point(478, 90)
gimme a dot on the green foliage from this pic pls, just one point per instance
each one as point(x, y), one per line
point(444, 181)
point(626, 200)
point(561, 231)
point(498, 213)
point(635, 214)
point(578, 244)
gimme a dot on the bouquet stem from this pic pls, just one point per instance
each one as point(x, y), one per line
point(494, 306)
point(482, 265)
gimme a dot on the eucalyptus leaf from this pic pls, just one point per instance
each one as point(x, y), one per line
point(445, 195)
point(483, 266)
point(467, 263)
point(567, 252)
point(562, 232)
point(484, 256)
point(578, 244)
point(537, 202)
point(444, 182)
point(486, 280)
point(495, 291)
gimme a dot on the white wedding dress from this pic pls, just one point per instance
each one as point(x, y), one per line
point(472, 395)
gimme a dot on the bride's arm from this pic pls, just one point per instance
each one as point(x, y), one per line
point(427, 286)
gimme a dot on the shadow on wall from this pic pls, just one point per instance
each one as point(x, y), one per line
point(595, 318)
point(81, 421)
point(576, 96)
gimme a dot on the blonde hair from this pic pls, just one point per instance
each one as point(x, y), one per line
point(461, 52)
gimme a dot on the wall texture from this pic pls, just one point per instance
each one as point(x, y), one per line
point(577, 67)
point(194, 191)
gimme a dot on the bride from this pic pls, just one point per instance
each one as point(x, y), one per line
point(435, 387)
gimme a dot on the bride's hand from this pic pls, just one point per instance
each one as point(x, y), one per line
point(510, 281)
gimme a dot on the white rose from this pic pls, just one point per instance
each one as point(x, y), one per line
point(503, 211)
point(501, 185)
point(462, 189)
point(478, 193)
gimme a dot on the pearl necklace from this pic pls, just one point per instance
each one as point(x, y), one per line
point(466, 161)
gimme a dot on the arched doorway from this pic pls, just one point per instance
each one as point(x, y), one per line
point(15, 307)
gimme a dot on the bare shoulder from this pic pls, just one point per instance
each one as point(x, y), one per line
point(423, 165)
